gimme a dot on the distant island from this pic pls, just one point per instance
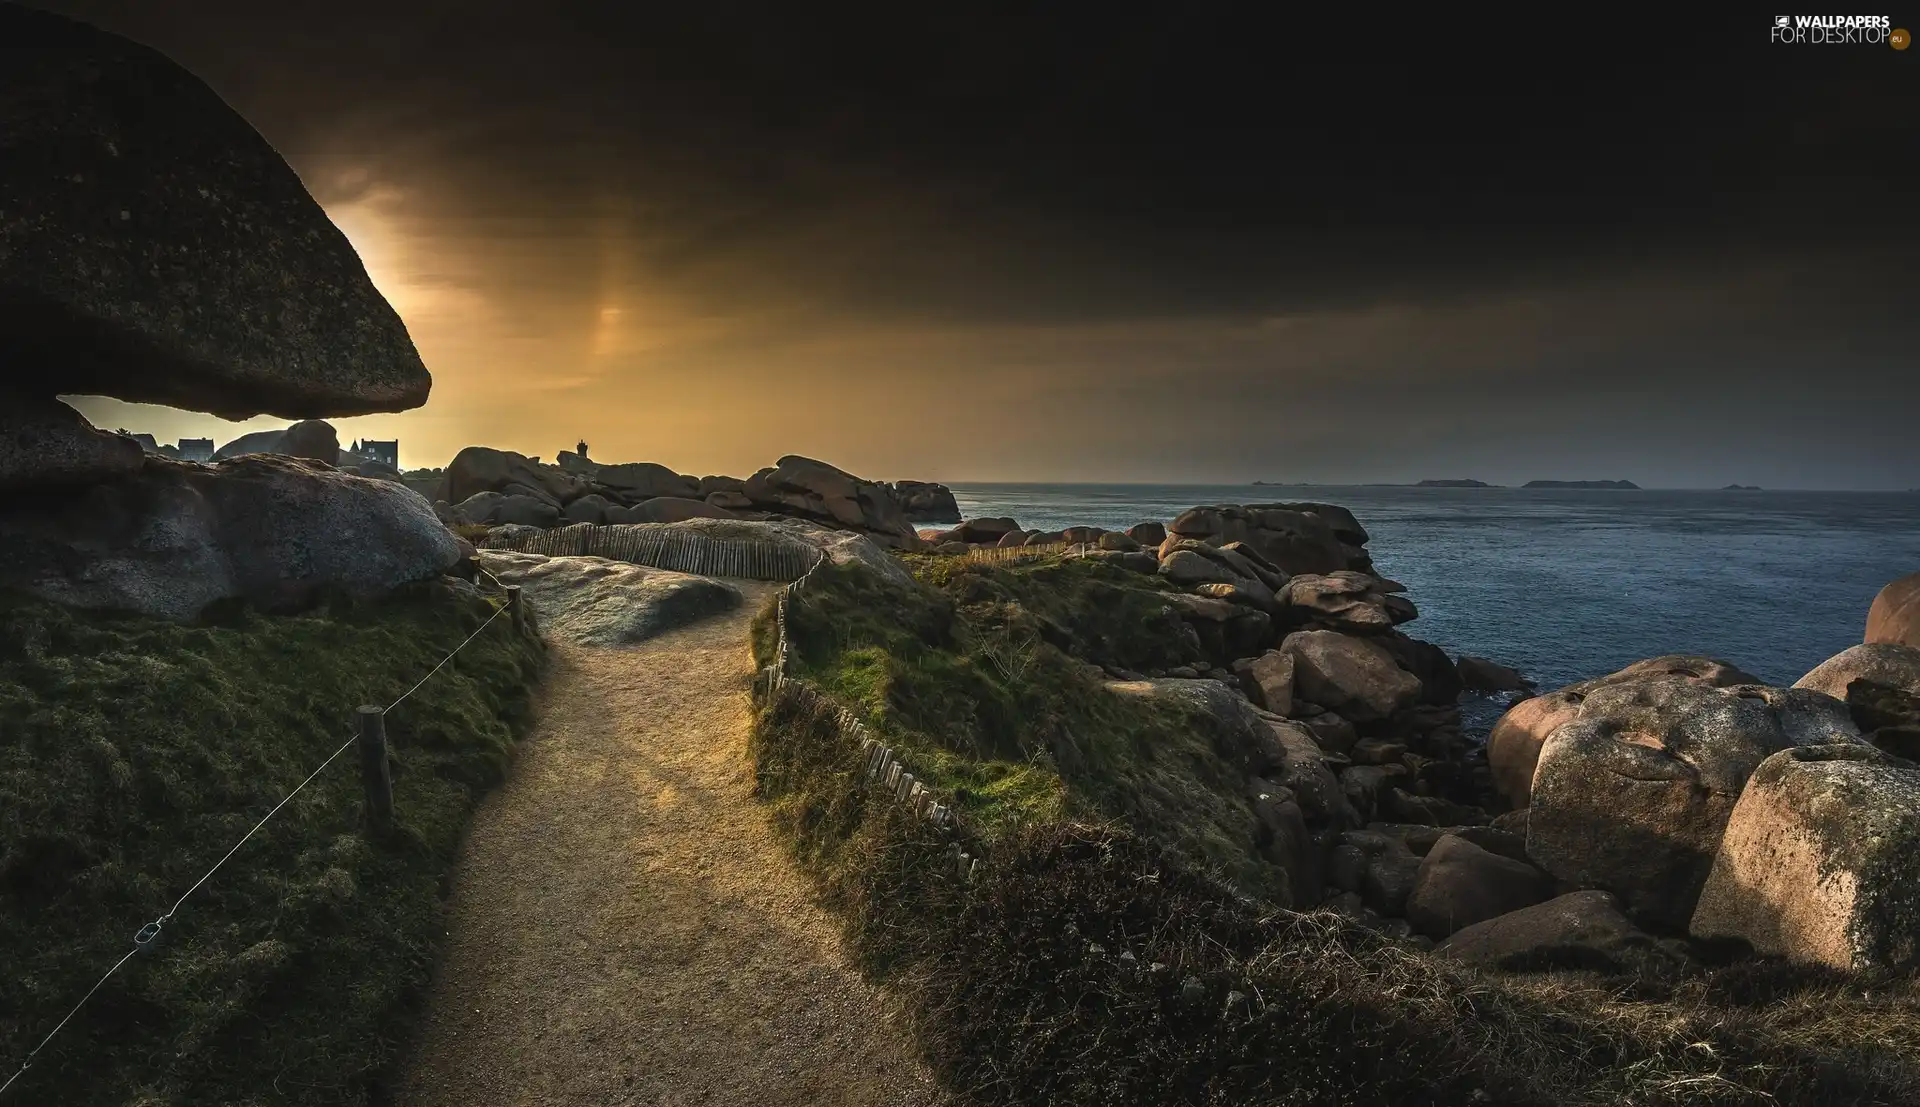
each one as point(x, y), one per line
point(1453, 484)
point(1741, 488)
point(1620, 484)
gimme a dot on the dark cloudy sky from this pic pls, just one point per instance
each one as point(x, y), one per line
point(1171, 246)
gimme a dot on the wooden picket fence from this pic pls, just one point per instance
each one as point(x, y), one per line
point(1011, 555)
point(668, 546)
point(882, 771)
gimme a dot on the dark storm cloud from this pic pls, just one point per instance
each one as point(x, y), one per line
point(1081, 163)
point(1338, 247)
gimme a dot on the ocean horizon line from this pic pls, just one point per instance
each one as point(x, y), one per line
point(969, 483)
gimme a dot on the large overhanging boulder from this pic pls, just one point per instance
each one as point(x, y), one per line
point(155, 248)
point(177, 537)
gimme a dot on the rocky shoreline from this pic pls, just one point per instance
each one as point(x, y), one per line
point(1639, 815)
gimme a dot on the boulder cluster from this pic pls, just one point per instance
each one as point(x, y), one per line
point(1711, 805)
point(1608, 822)
point(155, 248)
point(1357, 749)
point(488, 487)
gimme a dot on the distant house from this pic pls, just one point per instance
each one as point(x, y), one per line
point(196, 449)
point(385, 452)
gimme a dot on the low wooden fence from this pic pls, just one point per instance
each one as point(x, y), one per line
point(667, 546)
point(883, 771)
point(1009, 555)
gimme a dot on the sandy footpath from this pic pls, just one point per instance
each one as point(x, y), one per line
point(625, 927)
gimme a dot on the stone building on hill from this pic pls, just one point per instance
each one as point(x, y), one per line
point(387, 452)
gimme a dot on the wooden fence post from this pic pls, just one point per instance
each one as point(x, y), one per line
point(516, 609)
point(373, 767)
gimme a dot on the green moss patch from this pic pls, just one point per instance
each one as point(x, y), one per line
point(134, 753)
point(981, 679)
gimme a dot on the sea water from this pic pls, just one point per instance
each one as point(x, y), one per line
point(1569, 584)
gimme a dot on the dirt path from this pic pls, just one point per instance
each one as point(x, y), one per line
point(626, 929)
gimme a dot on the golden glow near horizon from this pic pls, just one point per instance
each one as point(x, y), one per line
point(538, 334)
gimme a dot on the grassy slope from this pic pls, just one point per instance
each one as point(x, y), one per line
point(1022, 990)
point(967, 682)
point(133, 753)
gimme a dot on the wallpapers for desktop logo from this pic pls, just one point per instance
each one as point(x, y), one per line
point(1840, 30)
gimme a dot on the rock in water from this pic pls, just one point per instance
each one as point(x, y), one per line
point(596, 602)
point(1821, 861)
point(153, 247)
point(179, 536)
point(1895, 614)
point(1477, 674)
point(1632, 796)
